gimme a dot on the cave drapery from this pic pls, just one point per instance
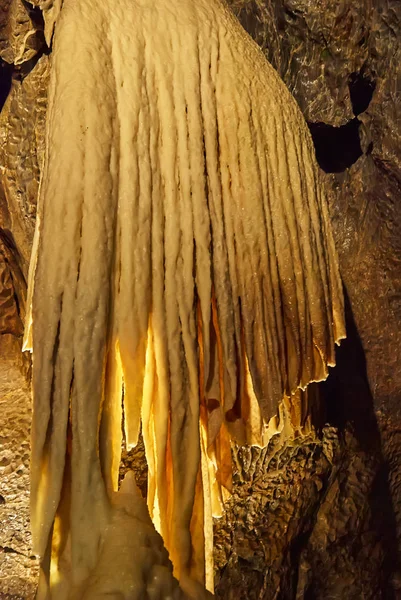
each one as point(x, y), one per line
point(183, 254)
point(317, 515)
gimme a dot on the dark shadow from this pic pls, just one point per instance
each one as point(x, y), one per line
point(35, 14)
point(20, 71)
point(349, 402)
point(361, 89)
point(337, 148)
point(6, 75)
point(347, 395)
point(12, 257)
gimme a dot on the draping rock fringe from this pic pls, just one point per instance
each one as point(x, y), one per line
point(183, 278)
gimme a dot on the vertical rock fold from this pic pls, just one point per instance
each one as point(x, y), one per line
point(184, 273)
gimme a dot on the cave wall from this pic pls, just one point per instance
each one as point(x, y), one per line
point(341, 61)
point(319, 516)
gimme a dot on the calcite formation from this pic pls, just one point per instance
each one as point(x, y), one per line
point(318, 518)
point(182, 262)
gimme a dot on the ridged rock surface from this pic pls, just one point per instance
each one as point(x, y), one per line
point(320, 517)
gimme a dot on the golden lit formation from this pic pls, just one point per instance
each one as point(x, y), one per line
point(183, 280)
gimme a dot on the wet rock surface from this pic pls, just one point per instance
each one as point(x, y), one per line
point(319, 517)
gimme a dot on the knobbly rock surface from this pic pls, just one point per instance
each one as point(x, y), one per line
point(18, 568)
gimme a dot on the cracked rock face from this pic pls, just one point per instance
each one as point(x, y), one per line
point(321, 516)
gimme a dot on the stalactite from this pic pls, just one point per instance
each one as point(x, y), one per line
point(183, 265)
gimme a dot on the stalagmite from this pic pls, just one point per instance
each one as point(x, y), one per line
point(183, 273)
point(133, 562)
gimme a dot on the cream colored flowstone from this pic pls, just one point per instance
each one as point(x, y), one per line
point(133, 562)
point(183, 276)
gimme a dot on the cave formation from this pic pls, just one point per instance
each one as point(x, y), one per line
point(343, 468)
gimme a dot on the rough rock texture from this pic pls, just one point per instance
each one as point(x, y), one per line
point(320, 518)
point(22, 146)
point(135, 460)
point(21, 32)
point(316, 519)
point(10, 318)
point(291, 526)
point(24, 71)
point(341, 62)
point(18, 569)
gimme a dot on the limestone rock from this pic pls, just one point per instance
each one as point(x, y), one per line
point(334, 536)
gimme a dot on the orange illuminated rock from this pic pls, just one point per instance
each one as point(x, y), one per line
point(183, 268)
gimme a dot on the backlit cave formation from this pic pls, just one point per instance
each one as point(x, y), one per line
point(184, 297)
